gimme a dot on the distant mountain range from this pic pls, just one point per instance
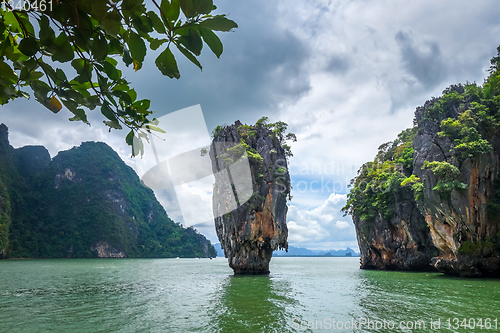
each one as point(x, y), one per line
point(302, 252)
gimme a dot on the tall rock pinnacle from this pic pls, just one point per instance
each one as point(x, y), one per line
point(252, 184)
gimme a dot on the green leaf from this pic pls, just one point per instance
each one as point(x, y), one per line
point(219, 23)
point(46, 34)
point(83, 29)
point(189, 55)
point(60, 74)
point(137, 47)
point(112, 23)
point(127, 59)
point(187, 8)
point(123, 96)
point(154, 43)
point(26, 24)
point(203, 6)
point(133, 95)
point(112, 61)
point(7, 93)
point(78, 65)
point(212, 41)
point(171, 10)
point(167, 65)
point(23, 94)
point(79, 115)
point(130, 138)
point(11, 21)
point(49, 71)
point(32, 76)
point(115, 46)
point(29, 46)
point(157, 23)
point(111, 71)
point(142, 104)
point(133, 6)
point(192, 41)
point(107, 112)
point(40, 89)
point(99, 48)
point(121, 87)
point(64, 51)
point(72, 106)
point(113, 124)
point(142, 24)
point(91, 102)
point(7, 75)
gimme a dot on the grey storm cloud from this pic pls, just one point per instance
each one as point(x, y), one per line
point(426, 65)
point(338, 65)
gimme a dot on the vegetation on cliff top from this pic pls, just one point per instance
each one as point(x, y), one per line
point(374, 189)
point(247, 134)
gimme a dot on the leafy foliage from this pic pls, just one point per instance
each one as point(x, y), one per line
point(279, 133)
point(448, 177)
point(464, 134)
point(416, 185)
point(374, 189)
point(399, 150)
point(92, 36)
point(489, 246)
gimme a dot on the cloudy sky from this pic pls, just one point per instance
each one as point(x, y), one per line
point(345, 75)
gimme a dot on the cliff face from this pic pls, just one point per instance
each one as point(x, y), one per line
point(462, 223)
point(249, 206)
point(433, 197)
point(401, 242)
point(451, 165)
point(391, 231)
point(85, 202)
point(5, 212)
point(5, 206)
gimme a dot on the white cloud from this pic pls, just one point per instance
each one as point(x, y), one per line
point(321, 228)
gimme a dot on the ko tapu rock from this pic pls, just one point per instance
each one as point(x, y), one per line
point(252, 185)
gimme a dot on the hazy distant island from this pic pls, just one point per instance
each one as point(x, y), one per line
point(431, 198)
point(84, 203)
point(302, 252)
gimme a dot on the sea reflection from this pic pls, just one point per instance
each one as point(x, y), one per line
point(254, 304)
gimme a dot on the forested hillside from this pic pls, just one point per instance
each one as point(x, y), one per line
point(85, 202)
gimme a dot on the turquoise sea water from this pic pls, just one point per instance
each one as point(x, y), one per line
point(202, 295)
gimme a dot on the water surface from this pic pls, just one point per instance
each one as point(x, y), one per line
point(202, 295)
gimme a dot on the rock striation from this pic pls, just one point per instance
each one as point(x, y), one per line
point(252, 184)
point(463, 224)
point(401, 242)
